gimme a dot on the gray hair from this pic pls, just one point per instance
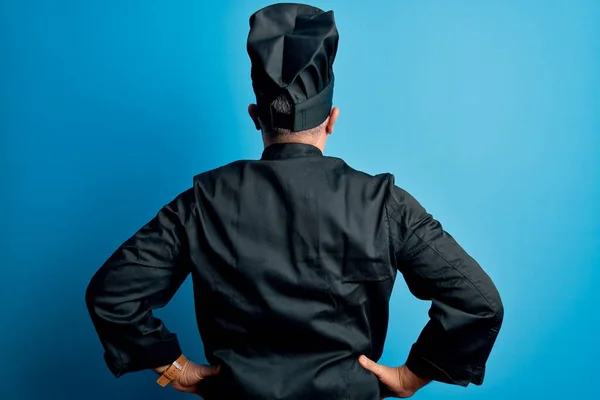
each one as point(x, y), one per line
point(282, 104)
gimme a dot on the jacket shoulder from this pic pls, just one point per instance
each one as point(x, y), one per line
point(206, 176)
point(384, 180)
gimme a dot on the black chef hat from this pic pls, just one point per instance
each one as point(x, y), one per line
point(292, 48)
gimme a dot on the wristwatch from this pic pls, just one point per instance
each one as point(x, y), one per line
point(172, 373)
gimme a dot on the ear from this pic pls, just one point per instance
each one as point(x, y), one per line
point(253, 112)
point(333, 116)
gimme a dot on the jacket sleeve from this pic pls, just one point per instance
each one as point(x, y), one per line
point(142, 275)
point(466, 310)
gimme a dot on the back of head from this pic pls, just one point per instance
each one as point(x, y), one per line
point(292, 48)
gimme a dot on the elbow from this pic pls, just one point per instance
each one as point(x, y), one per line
point(496, 309)
point(497, 316)
point(487, 306)
point(499, 312)
point(94, 300)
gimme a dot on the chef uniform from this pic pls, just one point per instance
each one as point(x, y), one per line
point(293, 256)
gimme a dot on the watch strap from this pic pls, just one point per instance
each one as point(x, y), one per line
point(172, 372)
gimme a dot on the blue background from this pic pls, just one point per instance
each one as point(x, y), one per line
point(487, 112)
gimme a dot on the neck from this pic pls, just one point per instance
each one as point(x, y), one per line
point(315, 140)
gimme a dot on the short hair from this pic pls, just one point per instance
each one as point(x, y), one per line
point(283, 105)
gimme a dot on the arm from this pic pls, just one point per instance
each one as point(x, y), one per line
point(466, 311)
point(142, 275)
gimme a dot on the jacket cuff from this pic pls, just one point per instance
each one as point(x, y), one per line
point(427, 369)
point(161, 353)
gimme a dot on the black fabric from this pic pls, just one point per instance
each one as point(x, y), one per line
point(293, 259)
point(292, 48)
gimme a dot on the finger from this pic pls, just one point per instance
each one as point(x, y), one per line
point(182, 388)
point(377, 369)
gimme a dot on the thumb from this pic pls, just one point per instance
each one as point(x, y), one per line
point(193, 373)
point(379, 370)
point(205, 370)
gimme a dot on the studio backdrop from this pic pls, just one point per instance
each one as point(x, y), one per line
point(487, 112)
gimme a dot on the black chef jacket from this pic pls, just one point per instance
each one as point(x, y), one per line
point(293, 258)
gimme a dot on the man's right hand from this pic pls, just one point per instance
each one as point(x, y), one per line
point(190, 376)
point(397, 382)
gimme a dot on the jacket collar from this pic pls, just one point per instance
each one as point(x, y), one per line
point(280, 151)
